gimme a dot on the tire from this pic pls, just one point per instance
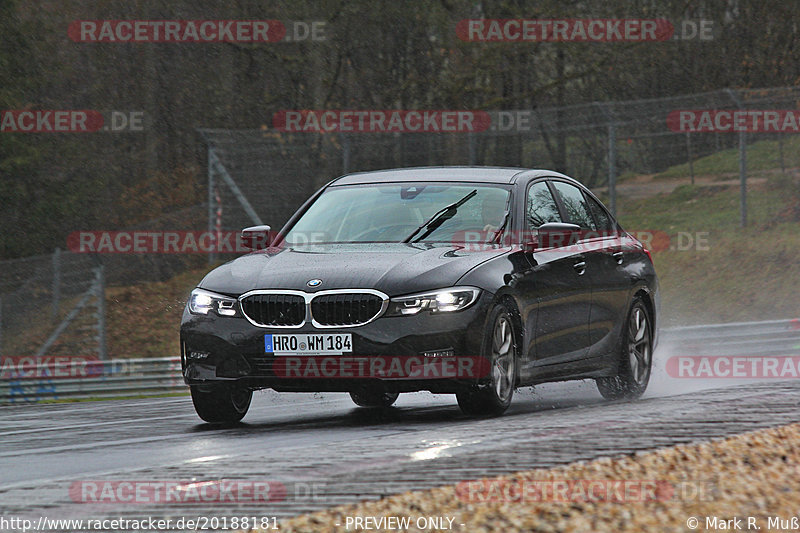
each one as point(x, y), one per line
point(635, 357)
point(373, 398)
point(222, 404)
point(500, 346)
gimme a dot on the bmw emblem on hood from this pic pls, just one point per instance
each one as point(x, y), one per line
point(314, 282)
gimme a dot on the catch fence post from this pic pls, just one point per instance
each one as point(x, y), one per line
point(56, 282)
point(100, 294)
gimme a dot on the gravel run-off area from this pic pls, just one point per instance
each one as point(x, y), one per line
point(739, 483)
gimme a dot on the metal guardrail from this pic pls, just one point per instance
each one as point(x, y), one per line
point(752, 339)
point(28, 379)
point(31, 379)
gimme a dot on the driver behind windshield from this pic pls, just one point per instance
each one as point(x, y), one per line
point(492, 212)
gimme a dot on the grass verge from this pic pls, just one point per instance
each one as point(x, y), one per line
point(713, 270)
point(761, 155)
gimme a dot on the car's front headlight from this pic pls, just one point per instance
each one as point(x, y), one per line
point(202, 301)
point(438, 301)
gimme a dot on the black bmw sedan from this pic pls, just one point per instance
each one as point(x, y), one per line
point(464, 280)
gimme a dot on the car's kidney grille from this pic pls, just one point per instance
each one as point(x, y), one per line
point(275, 309)
point(345, 309)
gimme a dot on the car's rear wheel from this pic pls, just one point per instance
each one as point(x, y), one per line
point(373, 398)
point(500, 347)
point(636, 357)
point(221, 404)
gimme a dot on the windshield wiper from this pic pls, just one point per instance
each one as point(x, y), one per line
point(499, 231)
point(439, 218)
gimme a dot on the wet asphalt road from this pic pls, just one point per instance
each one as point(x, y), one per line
point(313, 451)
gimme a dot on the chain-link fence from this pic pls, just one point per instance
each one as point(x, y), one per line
point(132, 268)
point(51, 305)
point(37, 293)
point(260, 176)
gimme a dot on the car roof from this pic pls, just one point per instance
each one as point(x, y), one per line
point(501, 175)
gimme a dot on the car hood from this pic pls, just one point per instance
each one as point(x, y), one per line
point(394, 269)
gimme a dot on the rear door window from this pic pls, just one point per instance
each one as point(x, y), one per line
point(601, 216)
point(576, 210)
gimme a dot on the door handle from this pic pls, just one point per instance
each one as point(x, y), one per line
point(618, 256)
point(580, 267)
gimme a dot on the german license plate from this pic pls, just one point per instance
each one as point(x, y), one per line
point(308, 344)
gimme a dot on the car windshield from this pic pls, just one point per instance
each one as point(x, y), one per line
point(393, 212)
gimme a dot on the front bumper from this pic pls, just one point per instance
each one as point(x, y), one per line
point(218, 349)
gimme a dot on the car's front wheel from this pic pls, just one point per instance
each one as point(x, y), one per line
point(636, 357)
point(373, 398)
point(221, 404)
point(494, 396)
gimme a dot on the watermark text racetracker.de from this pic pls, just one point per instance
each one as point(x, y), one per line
point(727, 367)
point(583, 490)
point(381, 121)
point(160, 242)
point(17, 367)
point(176, 492)
point(70, 121)
point(586, 240)
point(196, 31)
point(734, 121)
point(478, 240)
point(58, 366)
point(583, 30)
point(380, 367)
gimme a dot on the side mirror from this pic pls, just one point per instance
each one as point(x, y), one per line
point(554, 235)
point(256, 237)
